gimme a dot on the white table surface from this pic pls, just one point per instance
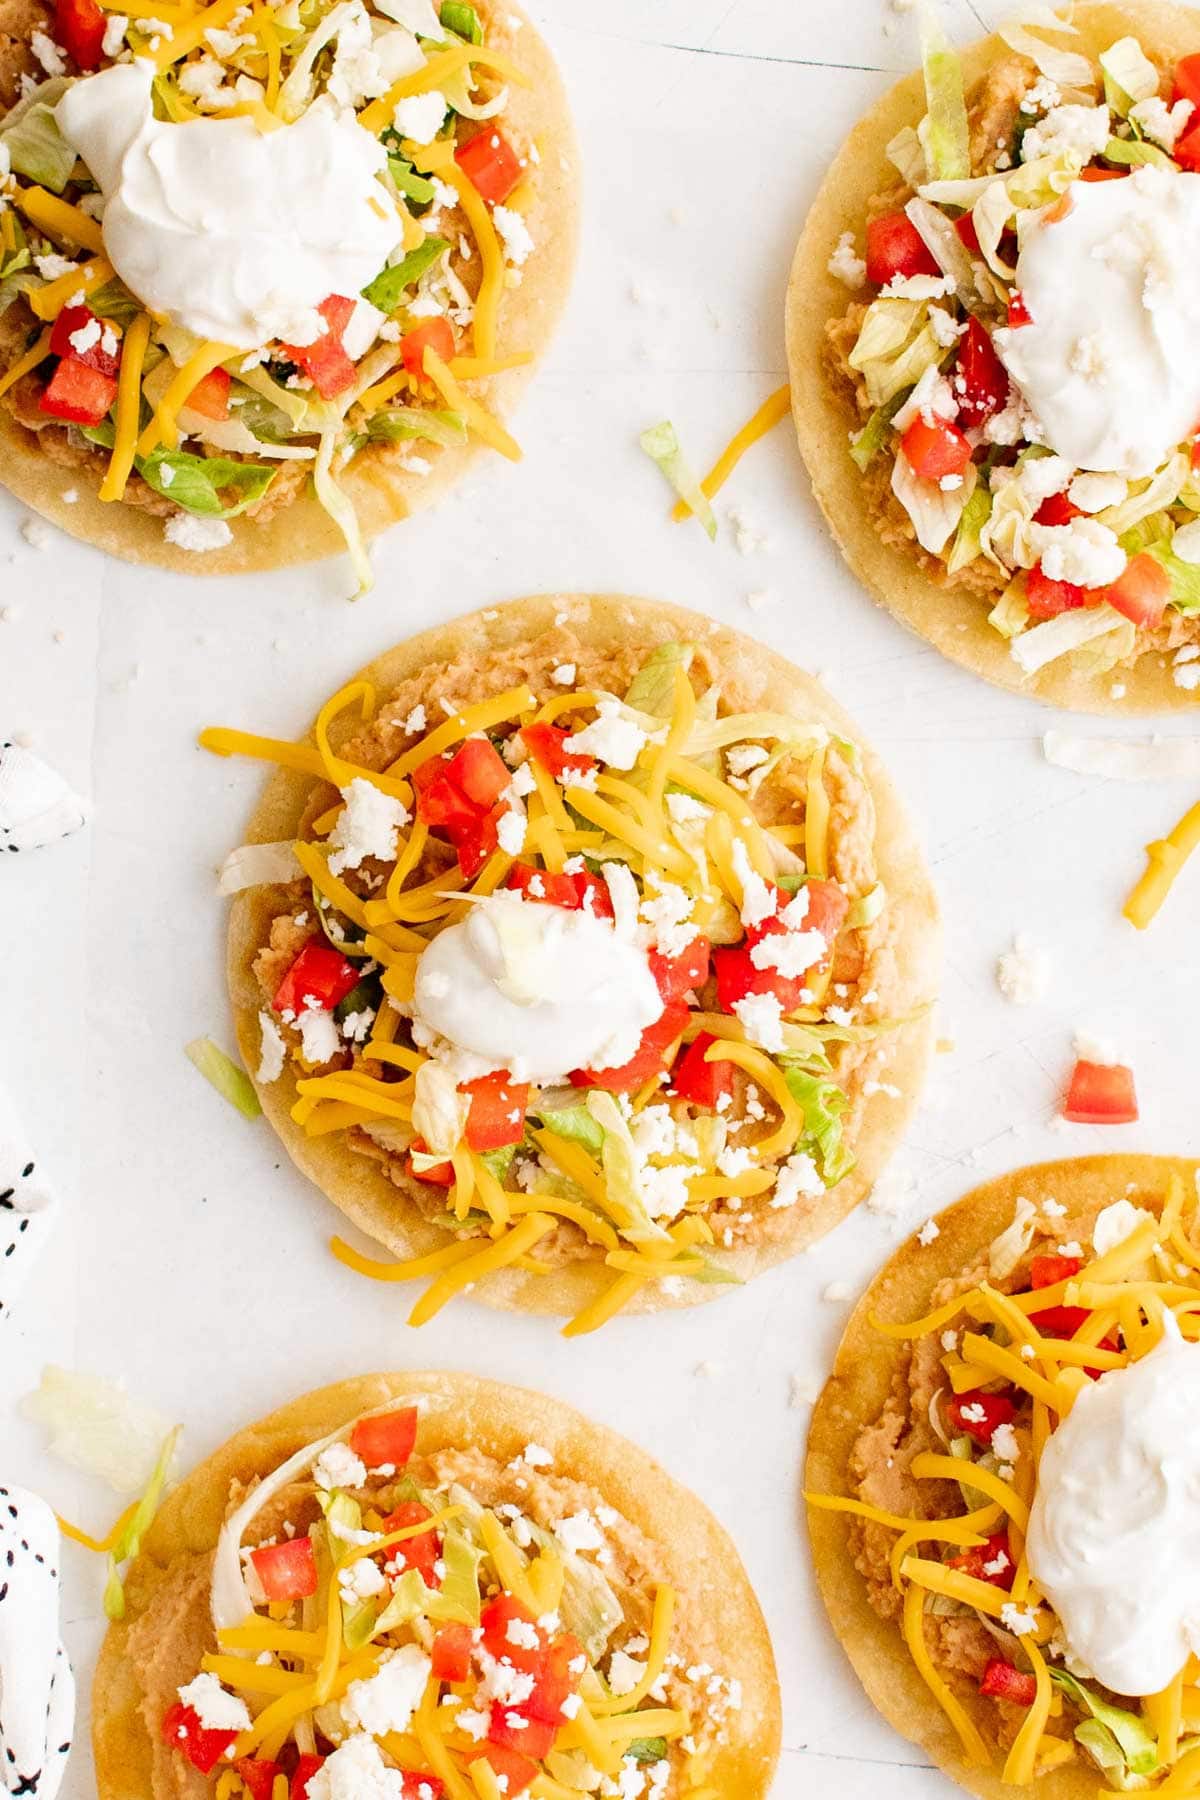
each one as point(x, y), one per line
point(192, 1259)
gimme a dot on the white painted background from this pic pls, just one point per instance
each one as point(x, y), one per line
point(192, 1262)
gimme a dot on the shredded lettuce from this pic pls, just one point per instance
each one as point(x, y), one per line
point(577, 1125)
point(460, 1583)
point(213, 487)
point(875, 433)
point(414, 187)
point(1133, 151)
point(129, 1540)
point(1009, 1246)
point(943, 243)
point(340, 510)
point(439, 1110)
point(1129, 75)
point(895, 347)
point(1137, 1744)
point(823, 1104)
point(1045, 643)
point(647, 1750)
point(94, 1425)
point(652, 689)
point(389, 285)
point(402, 423)
point(1183, 576)
point(1010, 614)
point(944, 132)
point(661, 444)
point(867, 908)
point(38, 150)
point(934, 510)
point(1161, 491)
point(975, 515)
point(1065, 67)
point(462, 20)
point(904, 152)
point(223, 1074)
point(737, 728)
point(620, 1162)
point(257, 865)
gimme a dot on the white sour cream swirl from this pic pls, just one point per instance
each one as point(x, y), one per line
point(1108, 364)
point(1114, 1535)
point(233, 233)
point(536, 990)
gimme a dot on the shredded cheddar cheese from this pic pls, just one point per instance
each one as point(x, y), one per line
point(765, 419)
point(1166, 859)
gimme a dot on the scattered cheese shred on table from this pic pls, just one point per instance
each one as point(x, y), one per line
point(1167, 857)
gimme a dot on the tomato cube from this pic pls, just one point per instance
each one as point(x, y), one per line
point(79, 335)
point(1046, 599)
point(306, 1767)
point(258, 1775)
point(935, 449)
point(210, 397)
point(491, 165)
point(1045, 1271)
point(513, 1731)
point(992, 1561)
point(182, 1730)
point(480, 771)
point(438, 1174)
point(451, 1653)
point(387, 1439)
point(420, 1552)
point(679, 975)
point(497, 1115)
point(517, 1771)
point(510, 1630)
point(436, 335)
point(649, 1058)
point(319, 978)
point(78, 394)
point(1141, 591)
point(697, 1081)
point(559, 1674)
point(1187, 79)
point(543, 885)
point(547, 745)
point(896, 247)
point(287, 1570)
point(80, 26)
point(1101, 1094)
point(325, 361)
point(1003, 1682)
point(1018, 312)
point(980, 380)
point(978, 1413)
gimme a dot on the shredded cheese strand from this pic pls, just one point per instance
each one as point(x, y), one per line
point(1166, 859)
point(473, 1268)
point(478, 418)
point(914, 1636)
point(757, 426)
point(47, 302)
point(129, 401)
point(59, 219)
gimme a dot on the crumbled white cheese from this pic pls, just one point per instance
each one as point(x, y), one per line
point(338, 1467)
point(272, 1050)
point(1095, 1049)
point(1081, 131)
point(1114, 1224)
point(1004, 1443)
point(187, 532)
point(387, 1700)
point(1084, 552)
point(762, 1017)
point(928, 1232)
point(214, 1706)
point(1020, 1621)
point(1093, 493)
point(846, 264)
point(356, 1771)
point(1023, 973)
point(320, 1040)
point(796, 1179)
point(514, 235)
point(420, 116)
point(1164, 124)
point(578, 1533)
point(611, 738)
point(367, 826)
point(48, 53)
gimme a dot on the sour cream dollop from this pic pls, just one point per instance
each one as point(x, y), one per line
point(1114, 1535)
point(235, 234)
point(536, 990)
point(1108, 364)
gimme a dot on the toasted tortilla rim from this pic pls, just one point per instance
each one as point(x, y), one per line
point(854, 1396)
point(953, 620)
point(357, 1185)
point(381, 489)
point(457, 1410)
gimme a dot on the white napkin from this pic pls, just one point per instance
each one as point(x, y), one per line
point(37, 1688)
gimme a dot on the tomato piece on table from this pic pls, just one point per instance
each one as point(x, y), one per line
point(287, 1570)
point(547, 745)
point(182, 1730)
point(319, 978)
point(1046, 599)
point(512, 1730)
point(387, 1439)
point(517, 1771)
point(451, 1653)
point(679, 975)
point(699, 1082)
point(1002, 1682)
point(420, 1552)
point(325, 361)
point(896, 247)
point(306, 1767)
point(490, 164)
point(80, 26)
point(935, 449)
point(648, 1059)
point(511, 1630)
point(992, 1561)
point(980, 380)
point(497, 1115)
point(432, 334)
point(78, 394)
point(258, 1775)
point(1141, 591)
point(1101, 1094)
point(210, 397)
point(978, 1413)
point(478, 769)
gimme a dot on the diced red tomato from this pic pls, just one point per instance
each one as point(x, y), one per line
point(976, 1562)
point(511, 1730)
point(594, 896)
point(1018, 312)
point(547, 745)
point(1187, 150)
point(698, 1082)
point(896, 247)
point(496, 1618)
point(306, 1767)
point(420, 1552)
point(210, 397)
point(479, 770)
point(1196, 455)
point(1045, 1271)
point(968, 236)
point(1046, 599)
point(320, 977)
point(1187, 80)
point(287, 1570)
point(935, 448)
point(556, 1680)
point(182, 1730)
point(1101, 1094)
point(476, 842)
point(438, 1174)
point(490, 164)
point(994, 1554)
point(73, 320)
point(451, 1653)
point(79, 26)
point(1097, 174)
point(497, 1115)
point(441, 803)
point(433, 334)
point(978, 1413)
point(325, 361)
point(678, 975)
point(980, 380)
point(416, 1785)
point(387, 1439)
point(649, 1058)
point(1056, 509)
point(518, 1771)
point(1002, 1682)
point(544, 885)
point(1141, 591)
point(258, 1775)
point(1059, 1321)
point(738, 975)
point(78, 394)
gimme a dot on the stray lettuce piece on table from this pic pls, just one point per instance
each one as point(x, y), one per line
point(222, 1073)
point(944, 132)
point(128, 1540)
point(661, 444)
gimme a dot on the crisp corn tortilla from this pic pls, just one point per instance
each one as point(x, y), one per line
point(380, 488)
point(606, 624)
point(696, 1555)
point(855, 1394)
point(952, 619)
